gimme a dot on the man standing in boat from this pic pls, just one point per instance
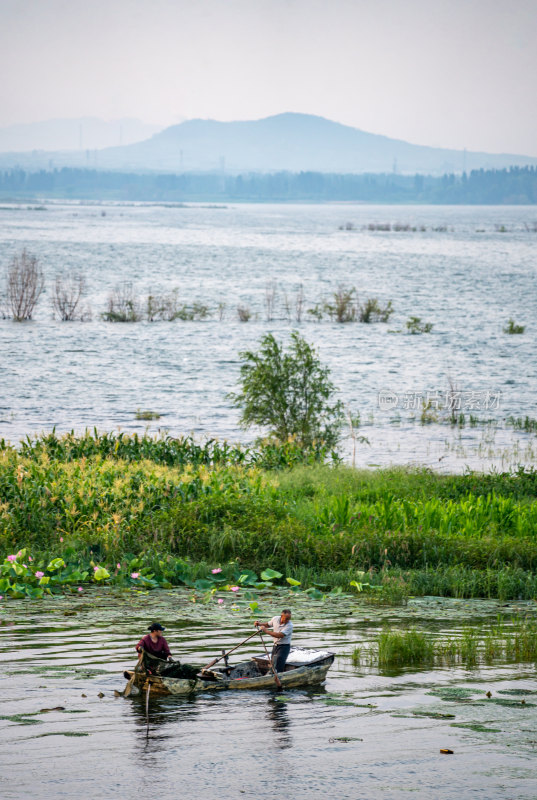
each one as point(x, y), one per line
point(282, 630)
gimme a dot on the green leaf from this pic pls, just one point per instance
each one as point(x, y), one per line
point(203, 585)
point(292, 582)
point(254, 606)
point(270, 574)
point(101, 574)
point(56, 563)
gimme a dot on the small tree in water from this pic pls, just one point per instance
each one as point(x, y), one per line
point(288, 392)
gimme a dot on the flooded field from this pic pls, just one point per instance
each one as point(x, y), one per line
point(365, 733)
point(464, 270)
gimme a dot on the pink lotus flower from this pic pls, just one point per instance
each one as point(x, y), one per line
point(220, 601)
point(1, 596)
point(12, 558)
point(39, 574)
point(25, 566)
point(135, 575)
point(216, 571)
point(61, 538)
point(80, 589)
point(234, 588)
point(118, 566)
point(95, 569)
point(30, 558)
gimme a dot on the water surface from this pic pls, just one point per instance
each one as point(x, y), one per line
point(467, 277)
point(254, 744)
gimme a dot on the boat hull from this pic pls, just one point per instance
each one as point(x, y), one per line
point(291, 679)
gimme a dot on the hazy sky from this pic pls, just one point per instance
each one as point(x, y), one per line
point(455, 73)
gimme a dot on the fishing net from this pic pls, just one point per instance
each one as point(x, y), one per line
point(167, 669)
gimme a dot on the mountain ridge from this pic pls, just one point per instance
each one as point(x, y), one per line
point(289, 141)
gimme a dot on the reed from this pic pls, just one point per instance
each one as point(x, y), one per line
point(502, 642)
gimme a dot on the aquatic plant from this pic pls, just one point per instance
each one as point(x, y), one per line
point(372, 311)
point(342, 306)
point(123, 305)
point(414, 325)
point(147, 415)
point(501, 642)
point(528, 424)
point(244, 313)
point(513, 328)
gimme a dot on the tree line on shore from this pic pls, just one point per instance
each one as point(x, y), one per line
point(516, 185)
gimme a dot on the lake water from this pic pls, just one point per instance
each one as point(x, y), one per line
point(235, 744)
point(467, 273)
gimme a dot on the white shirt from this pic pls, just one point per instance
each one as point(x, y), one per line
point(281, 627)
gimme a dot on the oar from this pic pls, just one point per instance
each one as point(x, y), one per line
point(216, 660)
point(276, 679)
point(147, 709)
point(128, 687)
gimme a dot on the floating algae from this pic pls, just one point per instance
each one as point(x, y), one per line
point(503, 701)
point(517, 692)
point(345, 739)
point(453, 694)
point(22, 719)
point(433, 714)
point(475, 726)
point(61, 733)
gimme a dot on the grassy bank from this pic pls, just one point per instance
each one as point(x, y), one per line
point(110, 499)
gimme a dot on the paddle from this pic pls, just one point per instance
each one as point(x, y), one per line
point(224, 655)
point(276, 679)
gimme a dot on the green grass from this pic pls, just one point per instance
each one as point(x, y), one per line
point(502, 642)
point(411, 531)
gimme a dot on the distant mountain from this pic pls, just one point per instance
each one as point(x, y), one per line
point(288, 142)
point(73, 134)
point(294, 142)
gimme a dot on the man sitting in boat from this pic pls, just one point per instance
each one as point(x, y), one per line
point(154, 643)
point(282, 629)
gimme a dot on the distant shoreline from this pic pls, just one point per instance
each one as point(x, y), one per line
point(514, 186)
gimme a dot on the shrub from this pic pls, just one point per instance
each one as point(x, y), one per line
point(414, 325)
point(67, 294)
point(24, 284)
point(288, 392)
point(513, 328)
point(123, 305)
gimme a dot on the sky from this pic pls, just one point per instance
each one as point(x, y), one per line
point(457, 73)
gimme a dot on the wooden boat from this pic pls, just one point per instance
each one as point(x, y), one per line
point(303, 668)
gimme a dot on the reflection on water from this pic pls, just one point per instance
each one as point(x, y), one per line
point(362, 735)
point(278, 717)
point(467, 281)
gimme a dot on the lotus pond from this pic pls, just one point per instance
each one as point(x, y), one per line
point(370, 731)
